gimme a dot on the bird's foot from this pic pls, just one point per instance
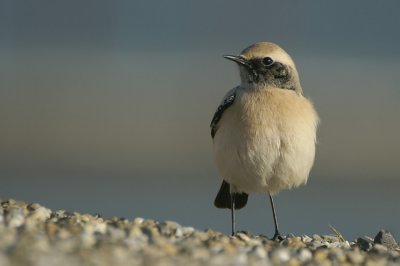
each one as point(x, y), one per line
point(277, 237)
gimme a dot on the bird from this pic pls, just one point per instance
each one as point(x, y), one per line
point(264, 130)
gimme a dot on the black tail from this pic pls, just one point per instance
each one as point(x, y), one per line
point(223, 199)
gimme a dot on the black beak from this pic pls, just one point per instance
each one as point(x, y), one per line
point(243, 62)
point(238, 59)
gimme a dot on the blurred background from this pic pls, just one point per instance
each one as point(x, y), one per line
point(105, 108)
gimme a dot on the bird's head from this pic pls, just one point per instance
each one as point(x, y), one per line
point(266, 64)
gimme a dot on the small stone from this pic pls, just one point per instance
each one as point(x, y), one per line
point(317, 238)
point(151, 233)
point(355, 257)
point(336, 254)
point(135, 231)
point(200, 254)
point(95, 227)
point(8, 239)
point(306, 239)
point(63, 233)
point(33, 206)
point(241, 259)
point(304, 255)
point(220, 259)
point(293, 242)
point(237, 242)
point(395, 253)
point(178, 232)
point(4, 260)
point(320, 254)
point(100, 227)
point(168, 228)
point(379, 249)
point(290, 235)
point(116, 233)
point(331, 239)
point(254, 242)
point(259, 252)
point(263, 238)
point(15, 217)
point(6, 203)
point(280, 255)
point(376, 262)
point(1, 216)
point(86, 218)
point(345, 244)
point(39, 213)
point(317, 245)
point(363, 244)
point(230, 248)
point(87, 239)
point(384, 237)
point(243, 237)
point(138, 220)
point(166, 247)
point(337, 244)
point(216, 249)
point(187, 230)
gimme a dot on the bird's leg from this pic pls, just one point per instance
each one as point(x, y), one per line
point(233, 213)
point(277, 235)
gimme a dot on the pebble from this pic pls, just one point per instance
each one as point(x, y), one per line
point(242, 236)
point(364, 244)
point(384, 237)
point(187, 231)
point(294, 242)
point(280, 256)
point(306, 239)
point(38, 236)
point(259, 252)
point(379, 249)
point(304, 255)
point(355, 257)
point(15, 217)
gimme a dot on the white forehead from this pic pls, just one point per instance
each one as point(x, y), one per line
point(264, 49)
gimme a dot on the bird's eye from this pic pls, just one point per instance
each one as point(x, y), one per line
point(267, 61)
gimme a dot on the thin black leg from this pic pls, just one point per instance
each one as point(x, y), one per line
point(277, 235)
point(233, 195)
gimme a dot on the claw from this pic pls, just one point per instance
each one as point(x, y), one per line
point(277, 237)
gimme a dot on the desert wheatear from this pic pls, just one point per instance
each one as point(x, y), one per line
point(264, 131)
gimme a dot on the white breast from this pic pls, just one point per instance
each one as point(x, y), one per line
point(266, 140)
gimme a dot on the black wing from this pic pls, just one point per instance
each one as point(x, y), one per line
point(228, 101)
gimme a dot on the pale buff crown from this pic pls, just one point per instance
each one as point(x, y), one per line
point(263, 49)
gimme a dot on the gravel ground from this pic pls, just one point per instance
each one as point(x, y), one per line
point(31, 234)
